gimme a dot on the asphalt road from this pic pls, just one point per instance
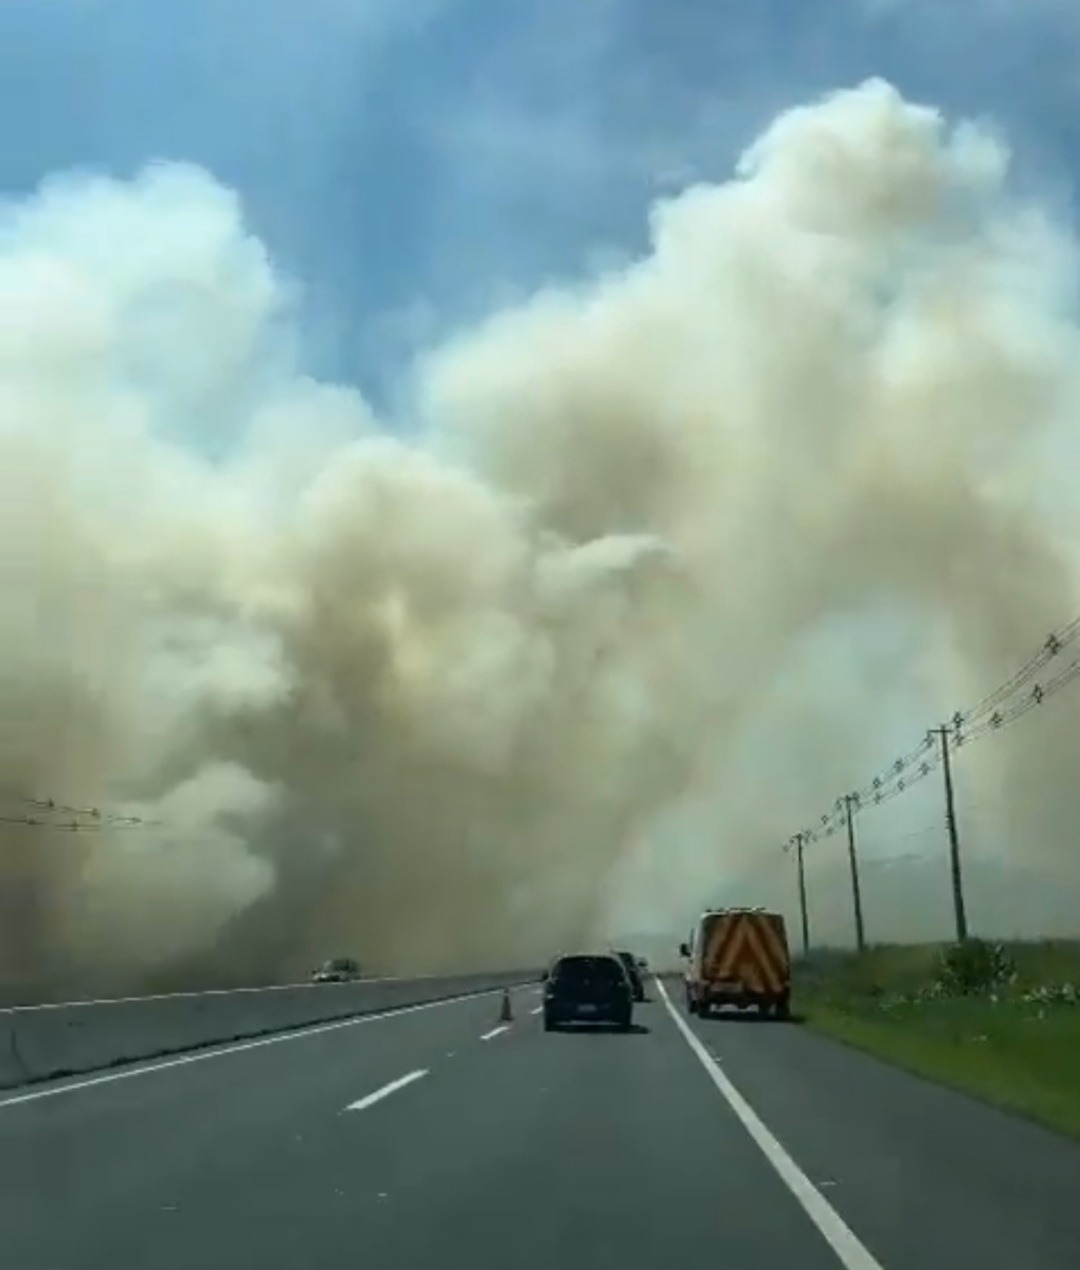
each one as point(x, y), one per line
point(427, 1134)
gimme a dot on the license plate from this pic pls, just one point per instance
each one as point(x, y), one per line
point(586, 1009)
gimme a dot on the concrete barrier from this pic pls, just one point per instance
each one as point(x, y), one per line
point(48, 1041)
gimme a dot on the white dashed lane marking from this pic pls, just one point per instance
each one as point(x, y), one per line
point(369, 1100)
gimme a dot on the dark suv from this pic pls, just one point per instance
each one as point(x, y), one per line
point(633, 973)
point(587, 988)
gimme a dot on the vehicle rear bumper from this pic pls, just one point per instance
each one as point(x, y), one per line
point(709, 995)
point(587, 1012)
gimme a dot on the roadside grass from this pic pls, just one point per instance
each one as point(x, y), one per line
point(1009, 1034)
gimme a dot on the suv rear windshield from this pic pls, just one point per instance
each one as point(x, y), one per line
point(587, 970)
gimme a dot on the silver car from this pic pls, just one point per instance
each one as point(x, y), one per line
point(337, 970)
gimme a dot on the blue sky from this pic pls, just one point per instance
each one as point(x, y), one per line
point(415, 162)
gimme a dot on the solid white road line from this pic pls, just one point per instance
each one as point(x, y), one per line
point(379, 1094)
point(182, 1060)
point(539, 1010)
point(851, 1253)
point(495, 1031)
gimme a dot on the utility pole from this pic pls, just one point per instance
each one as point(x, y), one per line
point(942, 734)
point(850, 803)
point(800, 842)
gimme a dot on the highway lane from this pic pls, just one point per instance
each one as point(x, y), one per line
point(94, 1172)
point(516, 1147)
point(925, 1175)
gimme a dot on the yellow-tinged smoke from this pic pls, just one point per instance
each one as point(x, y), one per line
point(439, 703)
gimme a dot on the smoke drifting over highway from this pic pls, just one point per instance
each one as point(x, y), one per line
point(461, 700)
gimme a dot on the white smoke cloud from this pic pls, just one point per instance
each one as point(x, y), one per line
point(679, 553)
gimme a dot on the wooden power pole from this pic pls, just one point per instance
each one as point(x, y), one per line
point(800, 843)
point(850, 803)
point(959, 909)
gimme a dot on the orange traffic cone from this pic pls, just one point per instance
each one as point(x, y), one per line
point(506, 1014)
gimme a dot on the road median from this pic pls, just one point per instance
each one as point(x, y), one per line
point(46, 1042)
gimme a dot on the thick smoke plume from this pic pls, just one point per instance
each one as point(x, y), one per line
point(614, 627)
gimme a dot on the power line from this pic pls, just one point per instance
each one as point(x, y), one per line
point(996, 710)
point(1002, 716)
point(1030, 686)
point(906, 857)
point(48, 813)
point(888, 785)
point(1054, 644)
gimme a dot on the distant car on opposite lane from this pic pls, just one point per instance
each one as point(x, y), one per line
point(587, 988)
point(337, 970)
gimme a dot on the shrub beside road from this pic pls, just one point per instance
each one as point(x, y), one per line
point(1000, 1021)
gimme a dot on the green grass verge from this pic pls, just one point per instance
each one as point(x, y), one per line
point(1006, 1046)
